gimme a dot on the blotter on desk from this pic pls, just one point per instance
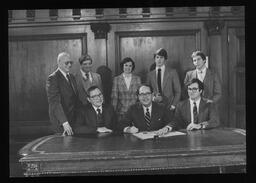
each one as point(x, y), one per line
point(152, 134)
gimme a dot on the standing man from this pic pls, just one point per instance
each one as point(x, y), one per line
point(165, 81)
point(212, 86)
point(96, 116)
point(145, 115)
point(85, 78)
point(62, 96)
point(194, 113)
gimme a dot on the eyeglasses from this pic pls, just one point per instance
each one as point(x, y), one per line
point(69, 62)
point(95, 96)
point(145, 94)
point(192, 89)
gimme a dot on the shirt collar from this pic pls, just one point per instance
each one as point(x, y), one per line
point(203, 70)
point(95, 108)
point(145, 108)
point(127, 76)
point(83, 73)
point(63, 73)
point(197, 101)
point(162, 68)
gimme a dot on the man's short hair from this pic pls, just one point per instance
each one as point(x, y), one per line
point(198, 53)
point(138, 89)
point(84, 58)
point(94, 87)
point(62, 54)
point(125, 60)
point(200, 83)
point(161, 52)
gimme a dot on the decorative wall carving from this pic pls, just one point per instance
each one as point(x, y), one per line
point(100, 30)
point(214, 27)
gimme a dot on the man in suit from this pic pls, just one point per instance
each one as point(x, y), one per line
point(95, 116)
point(85, 78)
point(212, 86)
point(194, 113)
point(62, 96)
point(165, 81)
point(145, 115)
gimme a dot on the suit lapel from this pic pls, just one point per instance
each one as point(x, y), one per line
point(201, 109)
point(194, 74)
point(63, 80)
point(123, 82)
point(166, 74)
point(187, 111)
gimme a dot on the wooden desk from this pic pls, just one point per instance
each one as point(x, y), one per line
point(204, 151)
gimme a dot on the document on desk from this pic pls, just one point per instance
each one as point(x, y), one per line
point(152, 134)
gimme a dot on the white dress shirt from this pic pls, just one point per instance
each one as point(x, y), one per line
point(162, 73)
point(84, 76)
point(95, 108)
point(192, 106)
point(145, 109)
point(201, 74)
point(127, 79)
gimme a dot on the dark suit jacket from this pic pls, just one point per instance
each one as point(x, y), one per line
point(207, 114)
point(212, 86)
point(171, 86)
point(63, 102)
point(83, 85)
point(160, 116)
point(87, 119)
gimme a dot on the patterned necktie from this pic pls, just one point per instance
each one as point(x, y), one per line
point(159, 80)
point(99, 118)
point(195, 114)
point(147, 117)
point(70, 83)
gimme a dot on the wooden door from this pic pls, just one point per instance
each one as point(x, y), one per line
point(236, 67)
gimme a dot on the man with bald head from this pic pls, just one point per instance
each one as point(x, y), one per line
point(62, 96)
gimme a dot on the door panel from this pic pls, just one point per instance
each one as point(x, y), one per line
point(237, 77)
point(142, 48)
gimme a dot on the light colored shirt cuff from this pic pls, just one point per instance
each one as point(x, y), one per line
point(65, 123)
point(169, 128)
point(125, 129)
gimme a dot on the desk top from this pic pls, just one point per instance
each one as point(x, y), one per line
point(56, 147)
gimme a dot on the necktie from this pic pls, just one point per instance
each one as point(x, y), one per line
point(99, 118)
point(147, 117)
point(87, 75)
point(71, 84)
point(195, 114)
point(159, 80)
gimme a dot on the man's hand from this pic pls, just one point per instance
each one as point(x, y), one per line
point(67, 129)
point(209, 101)
point(132, 129)
point(172, 107)
point(193, 126)
point(163, 130)
point(103, 130)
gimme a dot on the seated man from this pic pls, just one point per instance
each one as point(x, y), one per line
point(194, 113)
point(145, 115)
point(95, 116)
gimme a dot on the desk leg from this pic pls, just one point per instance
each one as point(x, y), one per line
point(222, 169)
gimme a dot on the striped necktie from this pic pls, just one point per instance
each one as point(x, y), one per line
point(147, 117)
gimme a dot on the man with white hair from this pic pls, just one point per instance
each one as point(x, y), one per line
point(62, 96)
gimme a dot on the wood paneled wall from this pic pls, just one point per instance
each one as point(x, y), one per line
point(33, 50)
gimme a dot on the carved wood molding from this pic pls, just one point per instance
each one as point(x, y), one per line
point(214, 27)
point(100, 30)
